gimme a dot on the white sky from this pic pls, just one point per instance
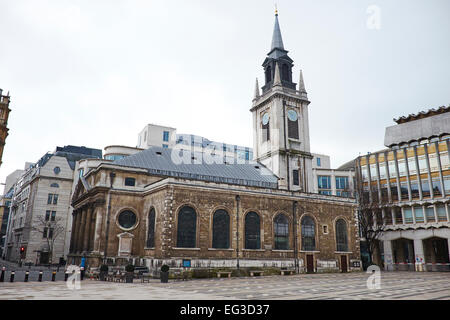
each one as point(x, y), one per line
point(94, 72)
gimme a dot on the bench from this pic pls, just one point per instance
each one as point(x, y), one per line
point(259, 272)
point(145, 277)
point(179, 274)
point(287, 271)
point(219, 273)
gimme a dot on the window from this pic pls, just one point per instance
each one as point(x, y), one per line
point(44, 233)
point(441, 213)
point(151, 229)
point(418, 213)
point(252, 231)
point(429, 211)
point(295, 177)
point(80, 172)
point(166, 136)
point(221, 230)
point(281, 231)
point(324, 182)
point(52, 198)
point(165, 146)
point(130, 182)
point(187, 225)
point(308, 234)
point(268, 74)
point(50, 233)
point(328, 193)
point(54, 185)
point(47, 215)
point(325, 229)
point(341, 182)
point(408, 215)
point(127, 219)
point(57, 170)
point(318, 162)
point(341, 235)
point(285, 72)
point(53, 217)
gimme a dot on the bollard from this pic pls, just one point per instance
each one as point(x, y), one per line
point(53, 275)
point(2, 276)
point(27, 273)
point(82, 273)
point(12, 276)
point(40, 276)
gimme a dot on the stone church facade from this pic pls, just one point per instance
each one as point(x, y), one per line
point(170, 206)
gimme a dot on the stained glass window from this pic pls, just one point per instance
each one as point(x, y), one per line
point(221, 230)
point(252, 231)
point(187, 225)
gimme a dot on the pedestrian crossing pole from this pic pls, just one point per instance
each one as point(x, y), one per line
point(27, 273)
point(12, 276)
point(40, 276)
point(2, 276)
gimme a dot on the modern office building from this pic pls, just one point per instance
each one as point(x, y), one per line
point(407, 190)
point(337, 182)
point(166, 137)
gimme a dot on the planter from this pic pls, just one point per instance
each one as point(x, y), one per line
point(164, 277)
point(129, 277)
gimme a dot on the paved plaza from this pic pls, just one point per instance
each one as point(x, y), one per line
point(394, 285)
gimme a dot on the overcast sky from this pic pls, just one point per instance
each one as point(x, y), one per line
point(94, 73)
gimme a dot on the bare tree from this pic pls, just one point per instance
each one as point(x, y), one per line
point(50, 229)
point(371, 224)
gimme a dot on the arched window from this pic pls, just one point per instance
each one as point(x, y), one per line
point(268, 74)
point(341, 235)
point(252, 231)
point(285, 72)
point(308, 234)
point(151, 229)
point(221, 230)
point(187, 225)
point(281, 230)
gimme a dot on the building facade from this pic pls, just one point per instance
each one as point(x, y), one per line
point(174, 205)
point(166, 137)
point(407, 187)
point(337, 182)
point(38, 230)
point(4, 115)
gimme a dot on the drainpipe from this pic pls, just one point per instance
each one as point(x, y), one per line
point(238, 199)
point(294, 215)
point(285, 146)
point(112, 175)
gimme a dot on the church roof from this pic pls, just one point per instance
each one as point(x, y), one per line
point(187, 165)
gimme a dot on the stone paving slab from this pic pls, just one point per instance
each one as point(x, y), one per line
point(351, 286)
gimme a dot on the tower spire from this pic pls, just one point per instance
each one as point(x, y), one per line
point(256, 89)
point(277, 40)
point(277, 78)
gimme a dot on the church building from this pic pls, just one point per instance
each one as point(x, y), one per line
point(171, 206)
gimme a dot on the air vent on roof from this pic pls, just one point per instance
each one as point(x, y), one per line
point(158, 153)
point(257, 167)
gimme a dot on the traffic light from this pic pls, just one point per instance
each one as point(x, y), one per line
point(22, 250)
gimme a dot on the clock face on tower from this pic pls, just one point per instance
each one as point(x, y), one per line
point(265, 119)
point(292, 115)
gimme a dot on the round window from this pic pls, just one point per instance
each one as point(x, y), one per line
point(265, 119)
point(57, 170)
point(127, 219)
point(292, 115)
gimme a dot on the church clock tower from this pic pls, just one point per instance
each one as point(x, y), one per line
point(280, 120)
